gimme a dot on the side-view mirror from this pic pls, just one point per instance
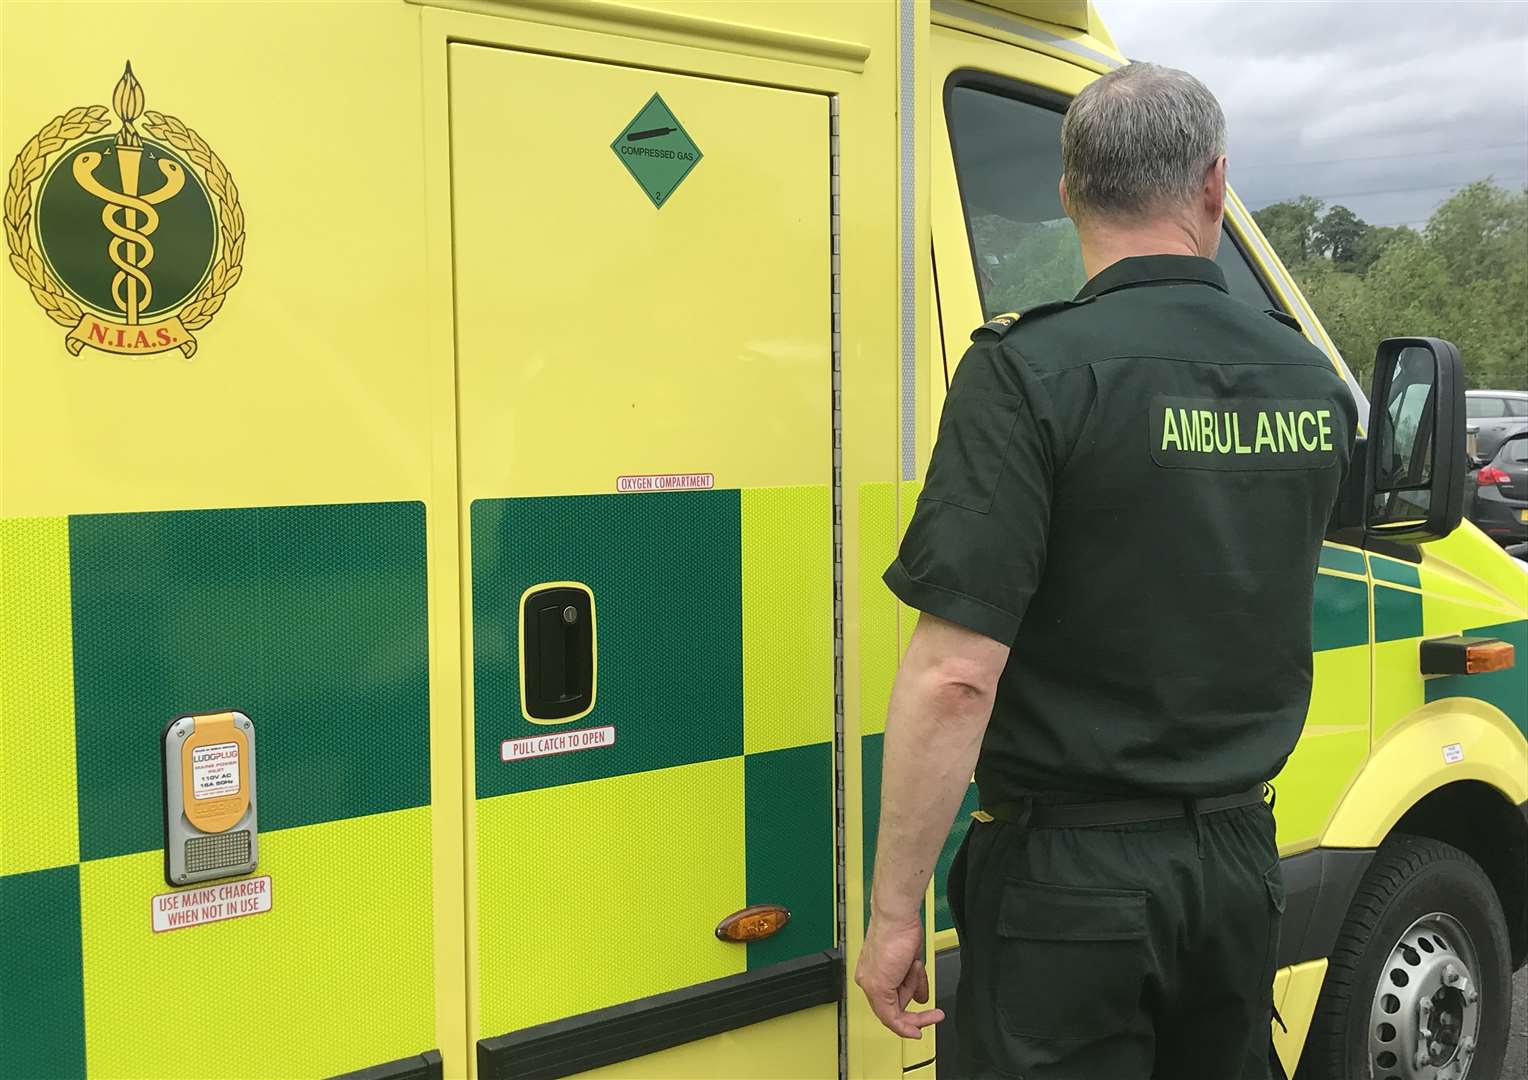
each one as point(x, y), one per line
point(1415, 465)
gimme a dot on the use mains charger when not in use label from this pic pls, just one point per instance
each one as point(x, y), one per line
point(210, 817)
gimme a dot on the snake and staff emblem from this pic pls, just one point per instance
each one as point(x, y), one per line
point(130, 248)
point(132, 239)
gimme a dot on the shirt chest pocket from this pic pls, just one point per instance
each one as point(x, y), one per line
point(975, 432)
point(1072, 962)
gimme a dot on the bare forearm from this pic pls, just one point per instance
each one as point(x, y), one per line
point(940, 707)
point(933, 736)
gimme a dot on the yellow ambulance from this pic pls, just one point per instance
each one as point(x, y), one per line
point(450, 449)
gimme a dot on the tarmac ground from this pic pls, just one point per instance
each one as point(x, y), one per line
point(1516, 1066)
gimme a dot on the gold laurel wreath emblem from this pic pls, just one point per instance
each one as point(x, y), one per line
point(32, 163)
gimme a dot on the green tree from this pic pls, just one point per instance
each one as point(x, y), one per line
point(1464, 278)
point(1374, 242)
point(1340, 234)
point(1291, 227)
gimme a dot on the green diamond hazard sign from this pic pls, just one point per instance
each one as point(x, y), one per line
point(656, 150)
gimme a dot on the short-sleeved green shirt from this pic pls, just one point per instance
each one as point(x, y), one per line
point(1131, 489)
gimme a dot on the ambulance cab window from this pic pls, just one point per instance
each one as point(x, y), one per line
point(1241, 279)
point(1008, 165)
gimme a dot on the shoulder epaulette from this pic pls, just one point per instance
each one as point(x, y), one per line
point(996, 326)
point(1001, 324)
point(1288, 320)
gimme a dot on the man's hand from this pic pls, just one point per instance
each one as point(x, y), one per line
point(891, 973)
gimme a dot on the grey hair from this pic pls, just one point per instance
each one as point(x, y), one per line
point(1138, 140)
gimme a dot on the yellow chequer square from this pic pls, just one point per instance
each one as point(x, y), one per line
point(606, 891)
point(38, 801)
point(885, 624)
point(1330, 751)
point(787, 617)
point(271, 994)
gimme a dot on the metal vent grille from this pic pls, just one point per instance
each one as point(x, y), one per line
point(216, 851)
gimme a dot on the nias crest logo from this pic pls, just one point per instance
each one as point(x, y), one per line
point(131, 240)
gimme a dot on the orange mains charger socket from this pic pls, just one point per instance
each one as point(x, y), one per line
point(209, 798)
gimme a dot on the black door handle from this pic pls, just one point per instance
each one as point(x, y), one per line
point(557, 632)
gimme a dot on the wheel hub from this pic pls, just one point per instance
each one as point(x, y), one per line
point(1425, 1020)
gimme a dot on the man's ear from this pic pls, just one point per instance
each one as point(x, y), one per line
point(1066, 207)
point(1215, 188)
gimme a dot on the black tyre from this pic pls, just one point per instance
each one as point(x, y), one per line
point(1419, 985)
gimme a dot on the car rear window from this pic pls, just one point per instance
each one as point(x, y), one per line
point(1481, 407)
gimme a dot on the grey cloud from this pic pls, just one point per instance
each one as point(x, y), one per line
point(1383, 106)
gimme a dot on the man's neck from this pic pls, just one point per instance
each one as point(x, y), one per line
point(1103, 247)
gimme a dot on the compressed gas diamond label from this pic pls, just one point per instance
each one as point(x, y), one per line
point(656, 150)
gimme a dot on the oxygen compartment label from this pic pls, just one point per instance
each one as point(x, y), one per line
point(215, 770)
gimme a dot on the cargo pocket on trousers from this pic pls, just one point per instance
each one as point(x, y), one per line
point(1273, 884)
point(1071, 961)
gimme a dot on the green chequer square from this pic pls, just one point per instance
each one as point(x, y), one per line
point(872, 751)
point(310, 619)
point(42, 998)
point(1339, 613)
point(788, 809)
point(1397, 614)
point(665, 571)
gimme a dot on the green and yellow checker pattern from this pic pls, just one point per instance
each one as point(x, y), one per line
point(715, 667)
point(1430, 600)
point(311, 620)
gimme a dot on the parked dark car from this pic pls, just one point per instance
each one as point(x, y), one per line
point(1498, 498)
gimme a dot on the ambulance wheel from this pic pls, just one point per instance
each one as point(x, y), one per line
point(1419, 985)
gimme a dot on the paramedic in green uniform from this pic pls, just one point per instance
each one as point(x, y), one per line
point(1114, 557)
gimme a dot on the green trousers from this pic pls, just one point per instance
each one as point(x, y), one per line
point(1129, 952)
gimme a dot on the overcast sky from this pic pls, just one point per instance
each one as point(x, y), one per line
point(1384, 107)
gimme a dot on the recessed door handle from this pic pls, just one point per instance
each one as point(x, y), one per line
point(557, 635)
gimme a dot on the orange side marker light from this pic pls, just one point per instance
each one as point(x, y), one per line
point(1462, 655)
point(1489, 656)
point(753, 923)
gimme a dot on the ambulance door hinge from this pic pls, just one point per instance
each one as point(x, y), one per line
point(840, 825)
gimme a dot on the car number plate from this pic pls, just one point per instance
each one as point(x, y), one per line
point(1523, 514)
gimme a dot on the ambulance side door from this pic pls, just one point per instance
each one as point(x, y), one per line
point(644, 333)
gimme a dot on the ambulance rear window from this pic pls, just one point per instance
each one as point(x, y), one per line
point(1006, 140)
